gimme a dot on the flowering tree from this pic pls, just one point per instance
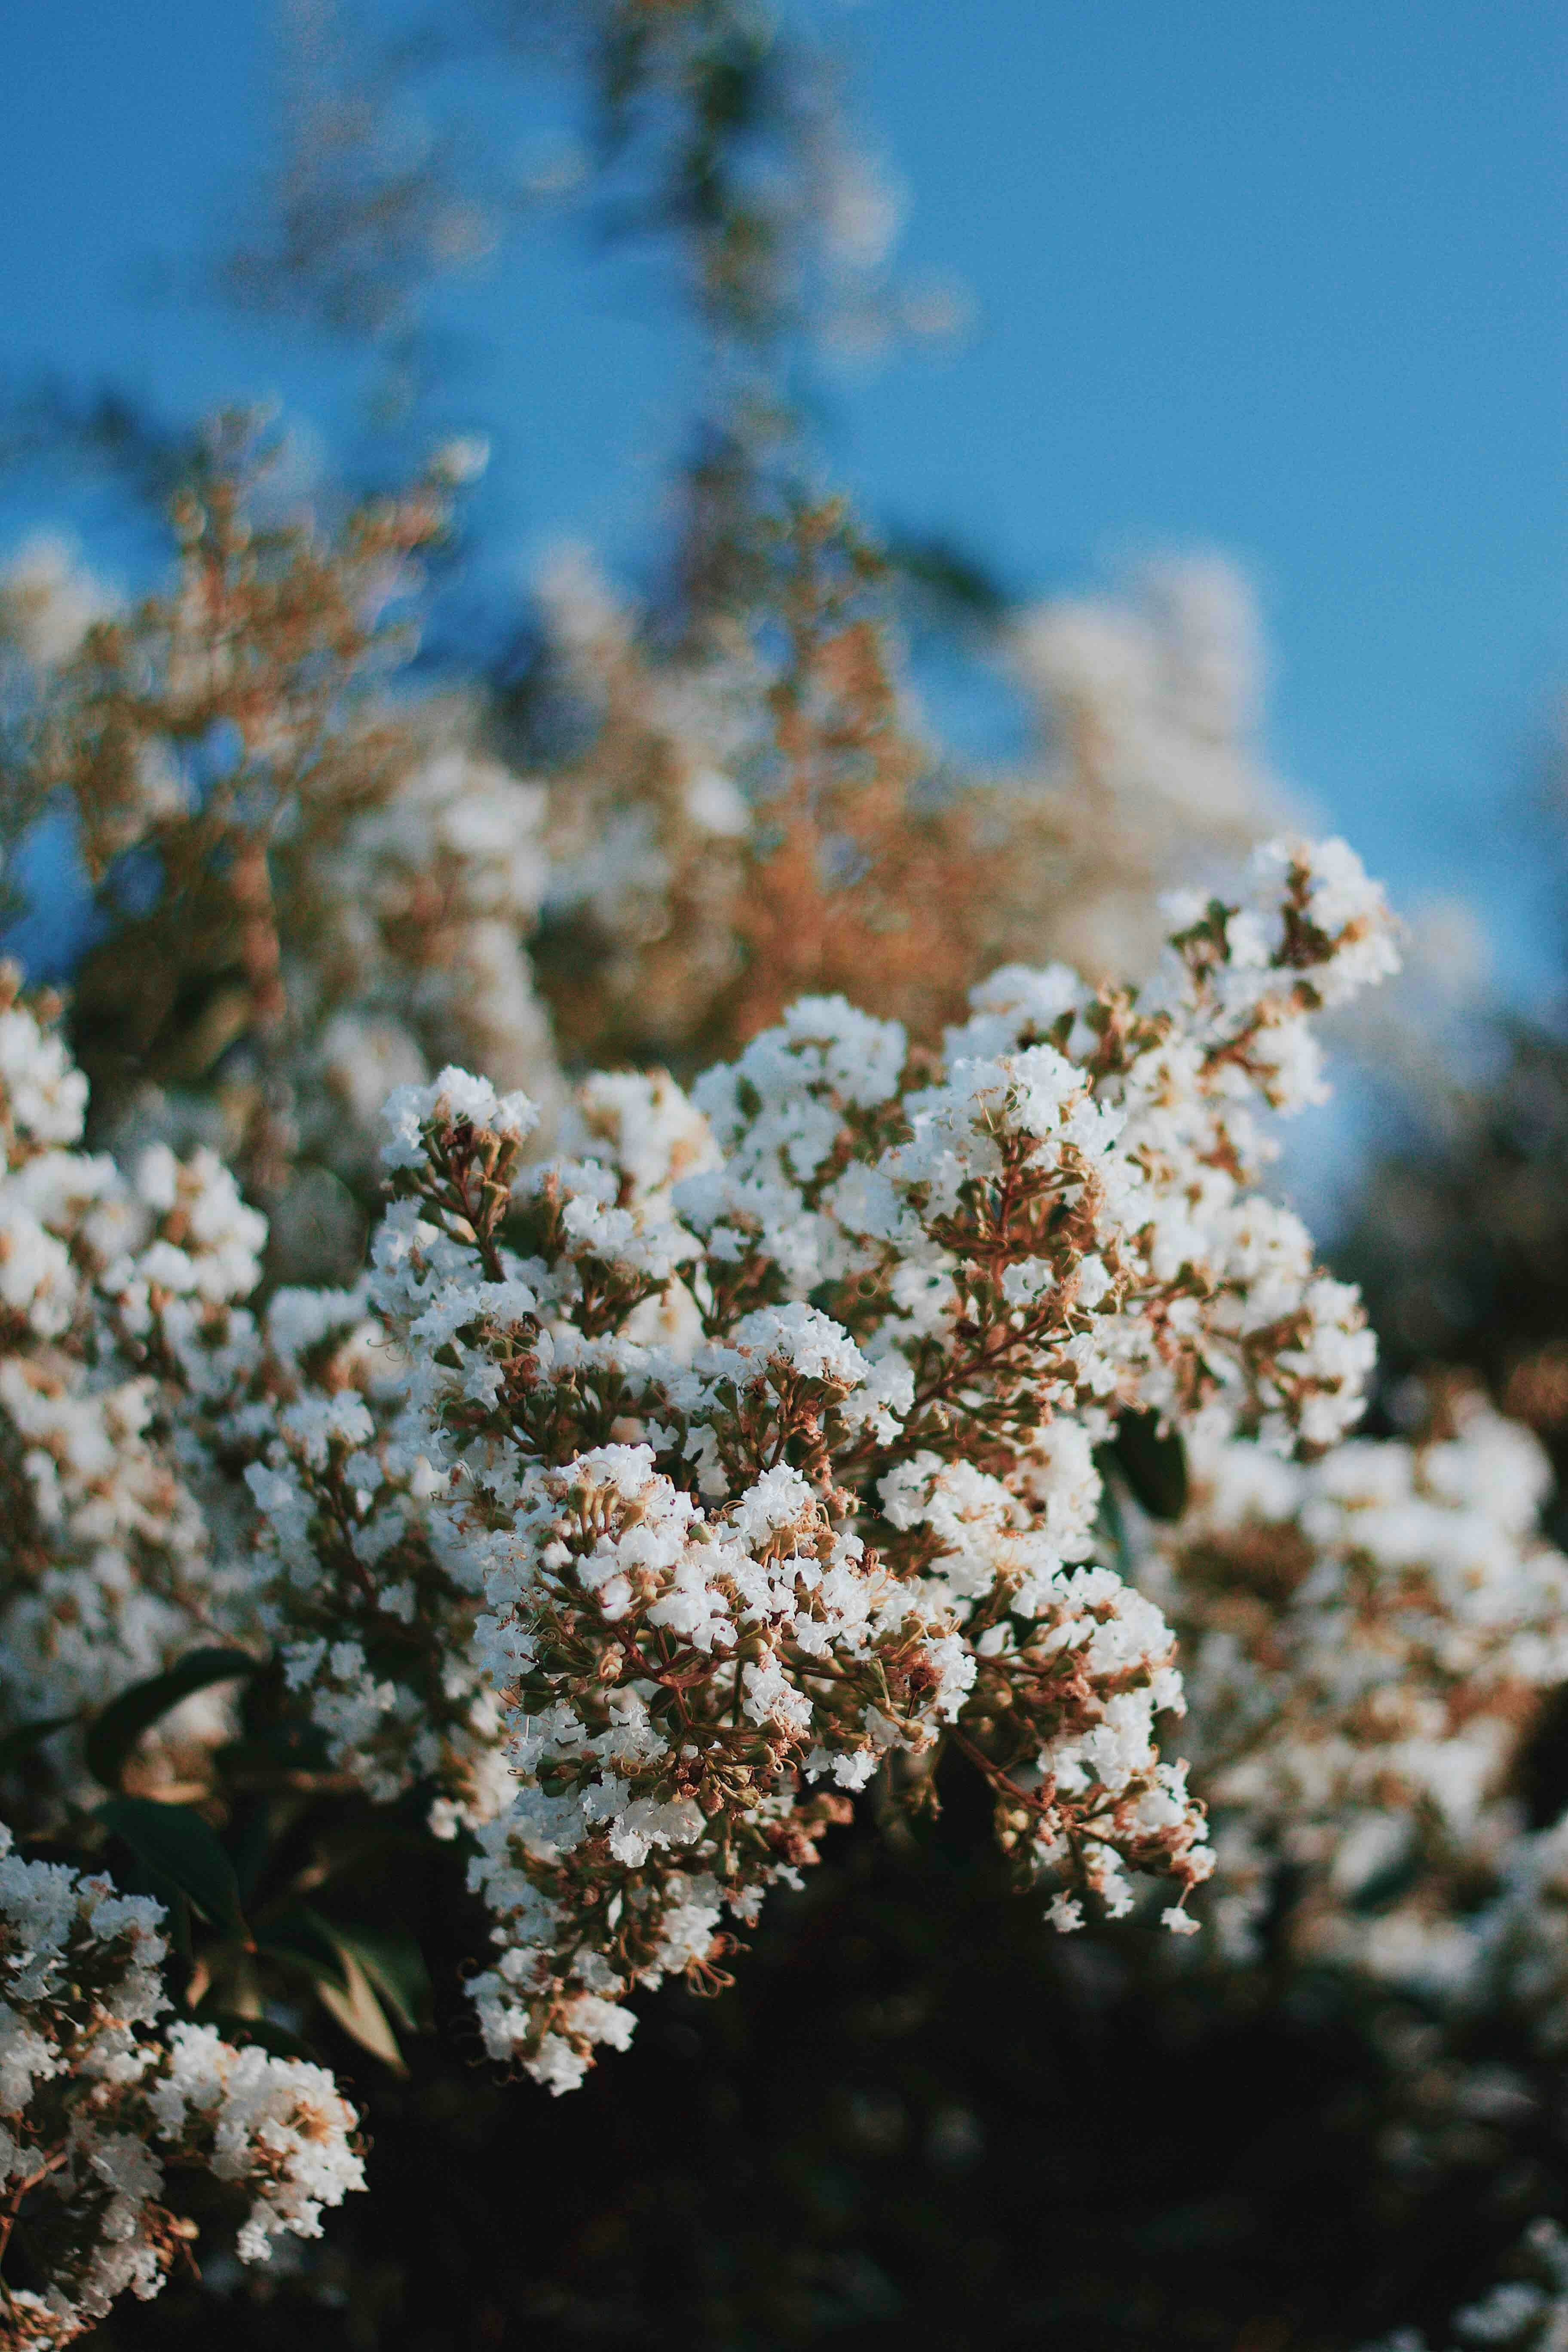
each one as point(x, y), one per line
point(583, 1518)
point(684, 1466)
point(577, 1548)
point(731, 1544)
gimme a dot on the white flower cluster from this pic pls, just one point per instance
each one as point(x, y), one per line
point(1147, 705)
point(365, 917)
point(364, 1618)
point(98, 2103)
point(49, 600)
point(701, 1472)
point(1364, 1641)
point(651, 874)
point(403, 929)
point(115, 1294)
point(426, 904)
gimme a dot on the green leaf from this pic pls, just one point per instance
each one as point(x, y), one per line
point(248, 1836)
point(361, 2014)
point(950, 574)
point(1154, 1466)
point(179, 1846)
point(18, 1744)
point(302, 1938)
point(112, 1737)
point(1112, 1518)
point(395, 1965)
point(356, 1971)
point(278, 1747)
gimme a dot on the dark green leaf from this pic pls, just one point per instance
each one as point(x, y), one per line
point(302, 1939)
point(1154, 1466)
point(1113, 1517)
point(354, 1970)
point(112, 1737)
point(278, 1747)
point(20, 1743)
point(361, 2014)
point(179, 1910)
point(1390, 1880)
point(174, 1842)
point(395, 1965)
point(249, 1834)
point(950, 574)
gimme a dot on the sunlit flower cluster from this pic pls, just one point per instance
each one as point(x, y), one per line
point(1146, 709)
point(1366, 1642)
point(345, 883)
point(696, 1473)
point(115, 1291)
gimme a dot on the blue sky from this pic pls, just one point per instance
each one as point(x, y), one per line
point(1286, 281)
